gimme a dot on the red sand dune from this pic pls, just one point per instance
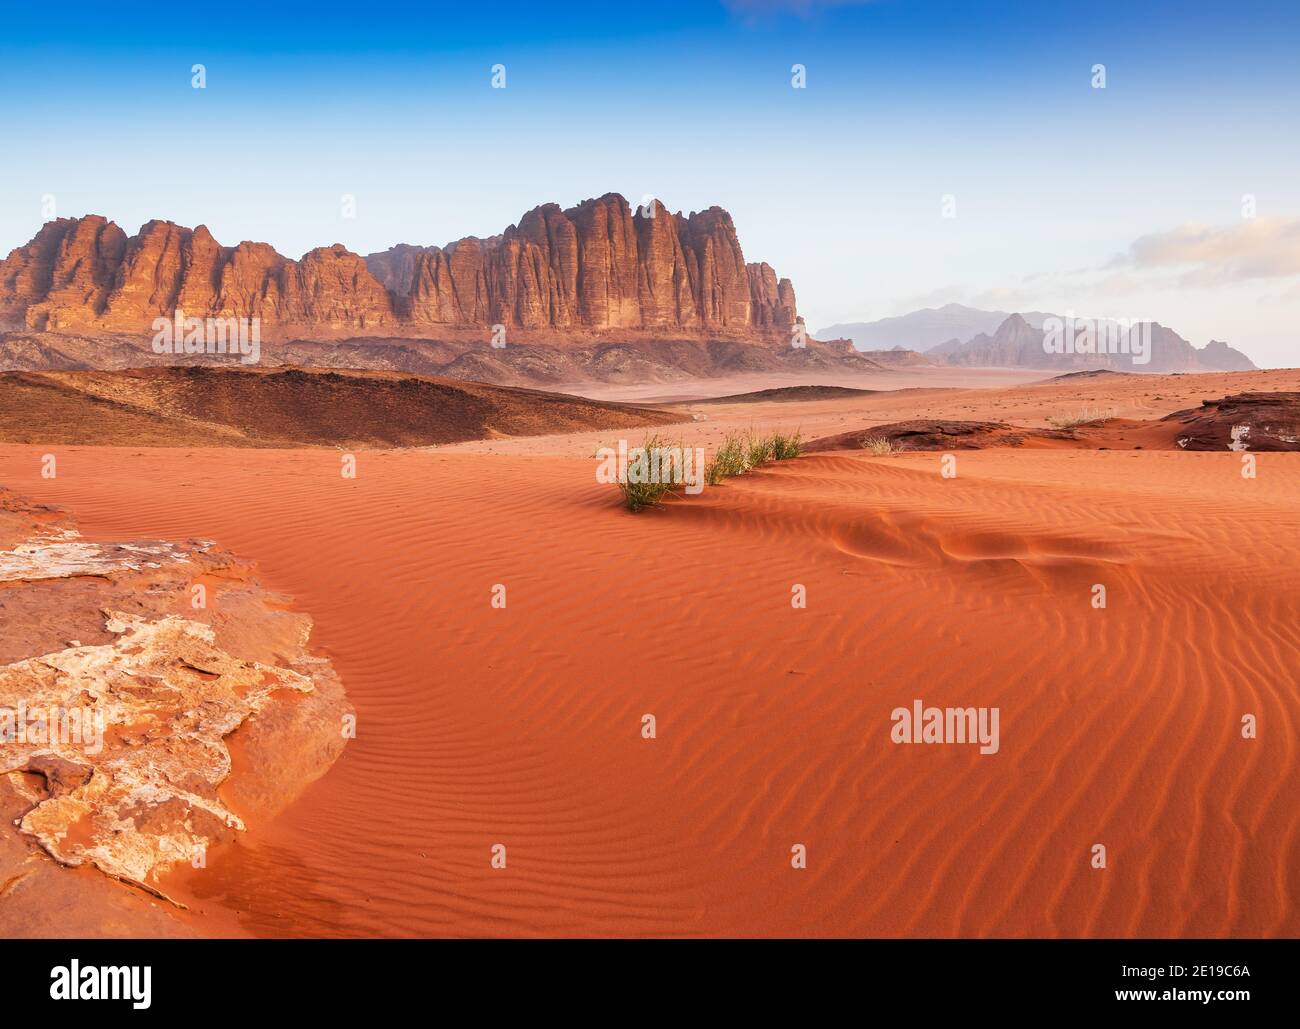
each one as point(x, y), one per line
point(521, 726)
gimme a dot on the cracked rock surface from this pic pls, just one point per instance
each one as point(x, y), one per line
point(126, 669)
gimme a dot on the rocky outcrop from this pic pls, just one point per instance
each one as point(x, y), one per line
point(1241, 422)
point(140, 747)
point(119, 693)
point(591, 270)
point(940, 434)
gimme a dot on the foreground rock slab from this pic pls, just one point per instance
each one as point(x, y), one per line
point(1264, 422)
point(125, 669)
point(1244, 421)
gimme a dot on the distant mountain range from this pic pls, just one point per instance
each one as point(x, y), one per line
point(1018, 344)
point(924, 329)
point(969, 337)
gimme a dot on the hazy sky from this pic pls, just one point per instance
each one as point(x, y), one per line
point(1124, 202)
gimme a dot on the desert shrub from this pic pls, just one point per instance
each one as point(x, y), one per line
point(878, 444)
point(758, 450)
point(739, 453)
point(728, 460)
point(785, 446)
point(639, 495)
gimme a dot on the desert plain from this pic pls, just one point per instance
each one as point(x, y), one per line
point(520, 725)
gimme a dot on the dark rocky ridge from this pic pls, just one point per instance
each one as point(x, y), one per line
point(627, 358)
point(251, 407)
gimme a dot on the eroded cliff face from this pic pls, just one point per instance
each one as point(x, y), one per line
point(594, 269)
point(118, 700)
point(597, 266)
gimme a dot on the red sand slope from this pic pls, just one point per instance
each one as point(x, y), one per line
point(521, 726)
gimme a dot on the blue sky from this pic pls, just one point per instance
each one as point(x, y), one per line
point(1125, 201)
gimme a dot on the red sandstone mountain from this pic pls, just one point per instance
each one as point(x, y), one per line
point(584, 271)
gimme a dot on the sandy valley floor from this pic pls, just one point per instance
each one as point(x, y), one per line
point(522, 726)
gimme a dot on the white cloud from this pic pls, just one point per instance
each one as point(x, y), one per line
point(1258, 248)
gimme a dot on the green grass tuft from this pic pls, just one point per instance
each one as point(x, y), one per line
point(739, 453)
point(728, 460)
point(758, 450)
point(785, 447)
point(639, 495)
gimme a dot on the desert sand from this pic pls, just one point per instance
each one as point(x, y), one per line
point(522, 726)
point(993, 394)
